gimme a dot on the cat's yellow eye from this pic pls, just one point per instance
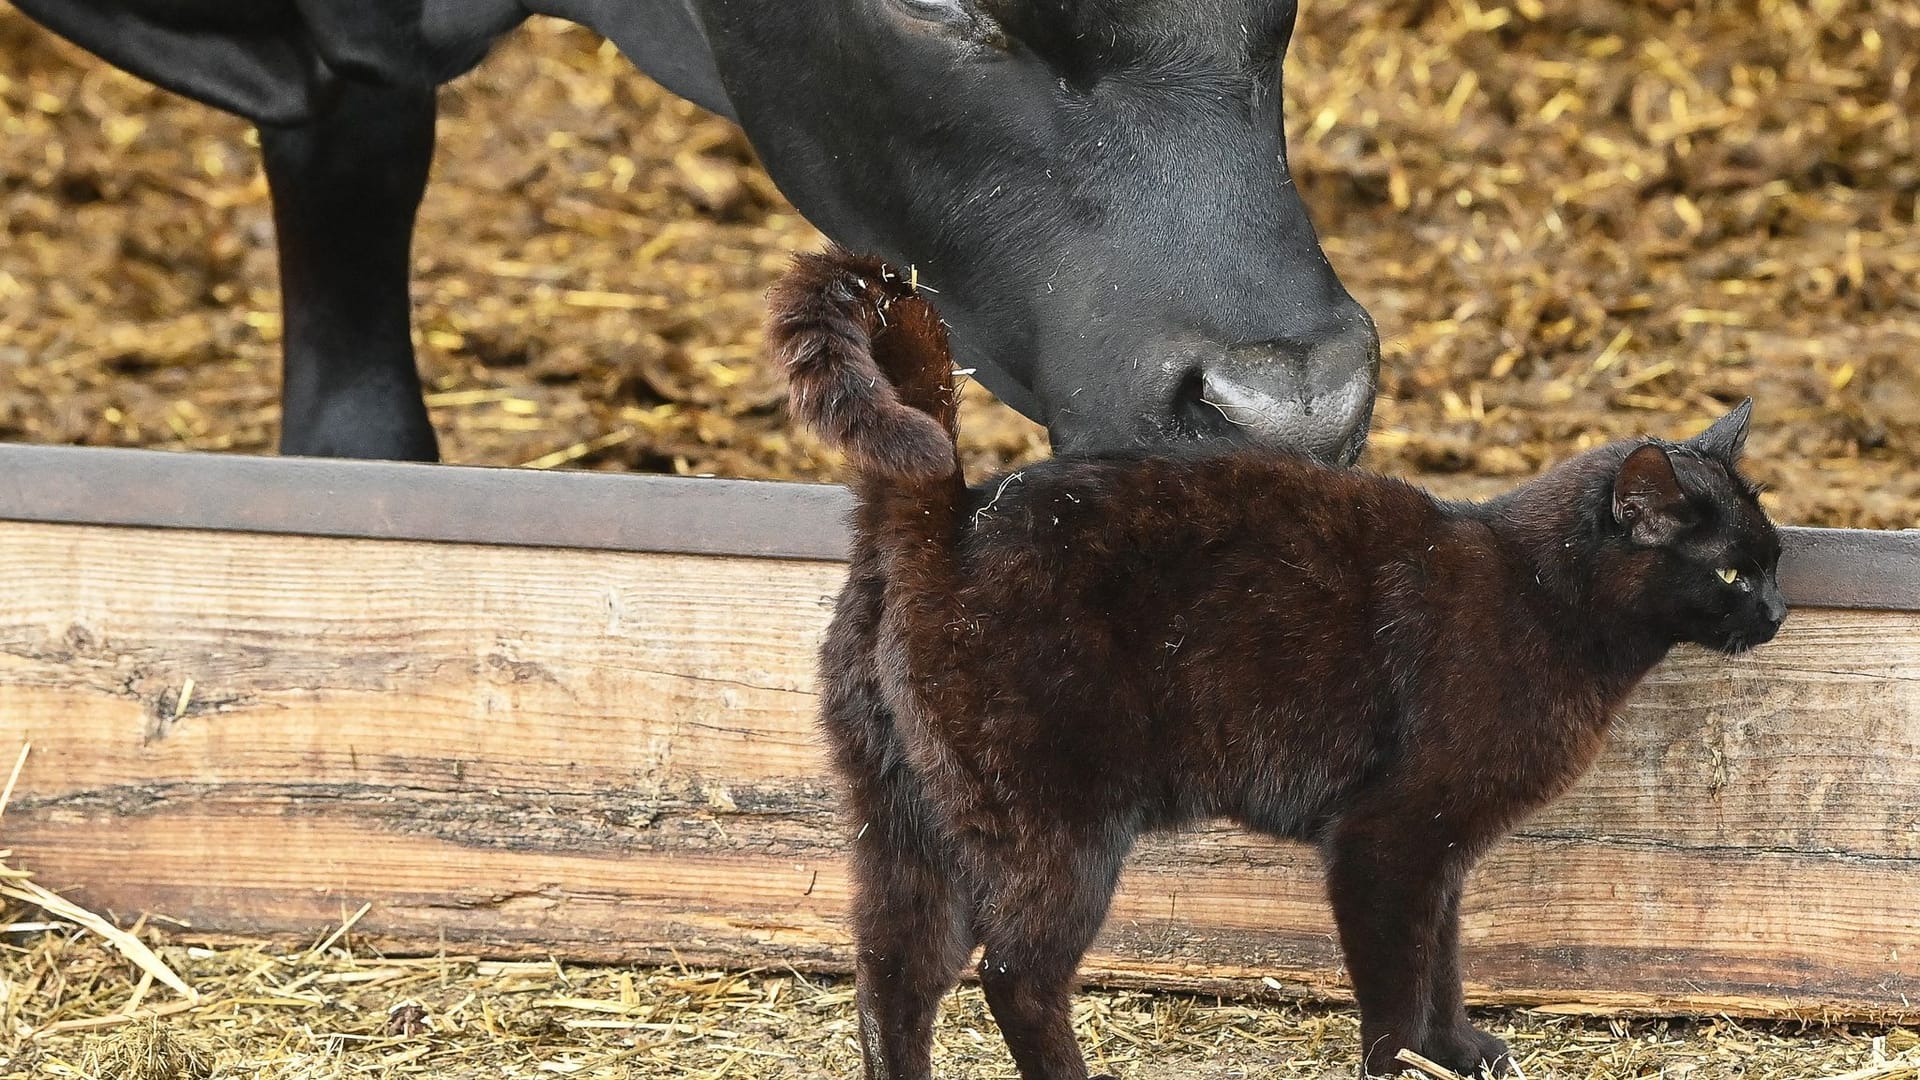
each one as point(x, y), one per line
point(1728, 575)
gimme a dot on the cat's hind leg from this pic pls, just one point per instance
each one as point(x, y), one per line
point(912, 928)
point(912, 915)
point(1042, 900)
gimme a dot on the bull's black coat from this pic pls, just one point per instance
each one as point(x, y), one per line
point(1049, 164)
point(1022, 677)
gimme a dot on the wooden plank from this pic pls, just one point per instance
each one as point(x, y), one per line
point(611, 756)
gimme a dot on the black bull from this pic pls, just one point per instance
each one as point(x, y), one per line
point(1099, 188)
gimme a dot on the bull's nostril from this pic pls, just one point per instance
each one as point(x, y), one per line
point(1252, 406)
point(1195, 414)
point(1266, 405)
point(1313, 394)
point(1192, 388)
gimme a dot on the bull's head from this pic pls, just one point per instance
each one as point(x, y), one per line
point(1098, 188)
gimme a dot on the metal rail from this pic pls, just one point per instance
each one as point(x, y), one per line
point(381, 500)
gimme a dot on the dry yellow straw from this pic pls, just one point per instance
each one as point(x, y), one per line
point(18, 886)
point(1430, 1067)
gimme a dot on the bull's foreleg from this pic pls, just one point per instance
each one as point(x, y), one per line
point(345, 189)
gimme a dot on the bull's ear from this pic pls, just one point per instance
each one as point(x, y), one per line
point(1728, 435)
point(1647, 500)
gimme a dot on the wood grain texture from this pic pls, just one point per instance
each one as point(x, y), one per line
point(612, 756)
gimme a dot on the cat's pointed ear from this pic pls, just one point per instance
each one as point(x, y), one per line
point(1647, 500)
point(1728, 435)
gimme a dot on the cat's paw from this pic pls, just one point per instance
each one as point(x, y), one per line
point(1471, 1052)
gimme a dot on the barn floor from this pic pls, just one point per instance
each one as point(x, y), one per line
point(1571, 222)
point(295, 1015)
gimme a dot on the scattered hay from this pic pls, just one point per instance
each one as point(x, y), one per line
point(145, 1051)
point(18, 885)
point(269, 1013)
point(1577, 221)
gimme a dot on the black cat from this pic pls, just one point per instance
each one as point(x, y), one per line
point(1023, 677)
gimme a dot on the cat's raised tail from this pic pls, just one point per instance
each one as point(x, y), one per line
point(868, 364)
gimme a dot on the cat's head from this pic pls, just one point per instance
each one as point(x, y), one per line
point(1699, 551)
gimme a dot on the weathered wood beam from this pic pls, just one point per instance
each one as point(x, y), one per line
point(579, 750)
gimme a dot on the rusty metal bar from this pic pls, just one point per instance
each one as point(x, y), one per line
point(624, 512)
point(1851, 568)
point(386, 500)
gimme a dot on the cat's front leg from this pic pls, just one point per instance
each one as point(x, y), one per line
point(1453, 1040)
point(1469, 1051)
point(1387, 898)
point(1394, 872)
point(1045, 895)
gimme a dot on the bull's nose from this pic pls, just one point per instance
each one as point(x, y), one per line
point(1316, 399)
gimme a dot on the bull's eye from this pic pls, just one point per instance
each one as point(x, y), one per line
point(943, 10)
point(1728, 574)
point(961, 21)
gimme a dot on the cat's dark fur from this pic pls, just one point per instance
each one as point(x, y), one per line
point(1022, 677)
